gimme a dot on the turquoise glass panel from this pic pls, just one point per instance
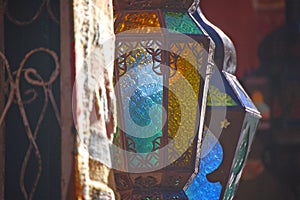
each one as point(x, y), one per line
point(211, 159)
point(141, 95)
point(181, 22)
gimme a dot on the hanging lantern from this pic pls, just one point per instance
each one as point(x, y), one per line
point(161, 60)
point(162, 73)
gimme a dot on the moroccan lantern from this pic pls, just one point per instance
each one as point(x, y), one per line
point(161, 60)
point(162, 74)
point(231, 120)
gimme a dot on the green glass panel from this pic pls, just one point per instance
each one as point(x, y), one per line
point(146, 145)
point(218, 98)
point(240, 158)
point(181, 22)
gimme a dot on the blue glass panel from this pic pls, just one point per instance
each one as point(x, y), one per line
point(211, 159)
point(240, 92)
point(141, 94)
point(143, 99)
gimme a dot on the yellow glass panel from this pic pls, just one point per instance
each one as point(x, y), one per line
point(183, 100)
point(142, 22)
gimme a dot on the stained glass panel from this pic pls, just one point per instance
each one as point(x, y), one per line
point(139, 22)
point(218, 98)
point(141, 92)
point(184, 85)
point(240, 92)
point(220, 93)
point(240, 158)
point(211, 158)
point(181, 22)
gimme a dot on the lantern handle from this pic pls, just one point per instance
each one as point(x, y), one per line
point(194, 6)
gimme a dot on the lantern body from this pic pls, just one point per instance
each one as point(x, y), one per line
point(160, 87)
point(231, 120)
point(161, 57)
point(230, 123)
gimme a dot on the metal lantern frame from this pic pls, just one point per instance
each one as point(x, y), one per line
point(231, 118)
point(234, 131)
point(163, 181)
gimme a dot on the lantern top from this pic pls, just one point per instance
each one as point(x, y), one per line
point(153, 4)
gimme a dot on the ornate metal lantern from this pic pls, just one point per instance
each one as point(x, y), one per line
point(161, 54)
point(231, 120)
point(161, 85)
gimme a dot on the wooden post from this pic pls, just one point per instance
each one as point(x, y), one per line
point(66, 88)
point(94, 49)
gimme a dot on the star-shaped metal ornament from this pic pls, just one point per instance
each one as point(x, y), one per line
point(225, 123)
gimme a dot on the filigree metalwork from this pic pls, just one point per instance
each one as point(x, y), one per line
point(132, 53)
point(14, 94)
point(145, 182)
point(44, 3)
point(140, 3)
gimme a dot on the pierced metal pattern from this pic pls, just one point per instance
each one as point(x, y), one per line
point(175, 195)
point(140, 161)
point(183, 95)
point(122, 182)
point(15, 95)
point(151, 4)
point(178, 3)
point(151, 195)
point(185, 160)
point(138, 4)
point(145, 182)
point(129, 54)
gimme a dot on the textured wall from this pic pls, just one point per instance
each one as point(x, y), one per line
point(94, 97)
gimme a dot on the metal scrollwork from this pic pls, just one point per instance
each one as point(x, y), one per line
point(32, 77)
point(37, 14)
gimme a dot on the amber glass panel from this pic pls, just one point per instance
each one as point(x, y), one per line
point(183, 97)
point(139, 22)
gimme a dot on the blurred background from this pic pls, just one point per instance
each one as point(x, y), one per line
point(266, 35)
